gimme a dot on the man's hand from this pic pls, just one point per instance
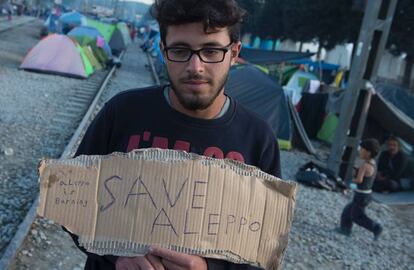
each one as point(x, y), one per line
point(173, 260)
point(147, 262)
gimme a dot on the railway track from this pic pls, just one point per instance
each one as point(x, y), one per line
point(82, 103)
point(6, 25)
point(66, 124)
point(43, 116)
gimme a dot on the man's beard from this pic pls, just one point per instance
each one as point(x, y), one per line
point(195, 102)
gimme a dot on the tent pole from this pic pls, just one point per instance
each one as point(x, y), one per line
point(370, 47)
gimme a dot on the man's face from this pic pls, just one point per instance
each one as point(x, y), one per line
point(393, 147)
point(197, 84)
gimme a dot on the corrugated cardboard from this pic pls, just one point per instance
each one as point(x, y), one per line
point(121, 204)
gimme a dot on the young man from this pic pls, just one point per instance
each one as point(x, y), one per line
point(200, 42)
point(391, 167)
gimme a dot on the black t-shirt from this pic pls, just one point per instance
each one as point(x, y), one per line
point(142, 118)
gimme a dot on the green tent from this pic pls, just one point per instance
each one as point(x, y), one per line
point(91, 37)
point(105, 29)
point(92, 59)
point(86, 62)
point(328, 129)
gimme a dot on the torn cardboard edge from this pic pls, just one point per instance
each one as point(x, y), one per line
point(245, 218)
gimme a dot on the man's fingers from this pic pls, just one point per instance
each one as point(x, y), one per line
point(143, 264)
point(177, 260)
point(172, 266)
point(170, 255)
point(155, 262)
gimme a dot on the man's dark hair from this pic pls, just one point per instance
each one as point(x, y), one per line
point(212, 13)
point(393, 138)
point(372, 146)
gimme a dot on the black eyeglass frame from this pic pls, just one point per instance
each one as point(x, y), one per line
point(197, 52)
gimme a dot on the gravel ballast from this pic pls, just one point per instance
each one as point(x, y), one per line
point(313, 242)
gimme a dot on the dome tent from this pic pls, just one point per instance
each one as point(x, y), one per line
point(90, 36)
point(120, 38)
point(258, 92)
point(58, 54)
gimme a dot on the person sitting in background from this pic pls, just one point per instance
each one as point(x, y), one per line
point(391, 167)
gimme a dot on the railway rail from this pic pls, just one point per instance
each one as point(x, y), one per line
point(73, 117)
point(6, 25)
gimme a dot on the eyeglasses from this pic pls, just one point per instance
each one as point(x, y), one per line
point(206, 55)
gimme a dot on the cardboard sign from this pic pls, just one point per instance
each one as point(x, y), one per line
point(121, 204)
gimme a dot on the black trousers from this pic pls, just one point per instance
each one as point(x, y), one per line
point(354, 212)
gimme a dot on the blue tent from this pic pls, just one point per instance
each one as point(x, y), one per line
point(70, 20)
point(91, 33)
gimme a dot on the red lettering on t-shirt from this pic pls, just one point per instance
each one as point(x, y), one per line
point(146, 136)
point(213, 152)
point(160, 142)
point(235, 156)
point(133, 142)
point(182, 145)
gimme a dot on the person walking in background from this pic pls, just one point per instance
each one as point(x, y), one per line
point(354, 212)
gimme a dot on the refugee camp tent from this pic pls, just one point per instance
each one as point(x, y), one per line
point(326, 70)
point(71, 20)
point(58, 54)
point(105, 29)
point(258, 92)
point(90, 36)
point(120, 38)
point(96, 64)
point(296, 84)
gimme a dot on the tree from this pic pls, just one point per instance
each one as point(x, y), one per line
point(401, 38)
point(328, 22)
point(251, 7)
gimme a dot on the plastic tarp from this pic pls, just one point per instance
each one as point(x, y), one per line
point(391, 118)
point(294, 87)
point(259, 56)
point(57, 54)
point(328, 129)
point(390, 112)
